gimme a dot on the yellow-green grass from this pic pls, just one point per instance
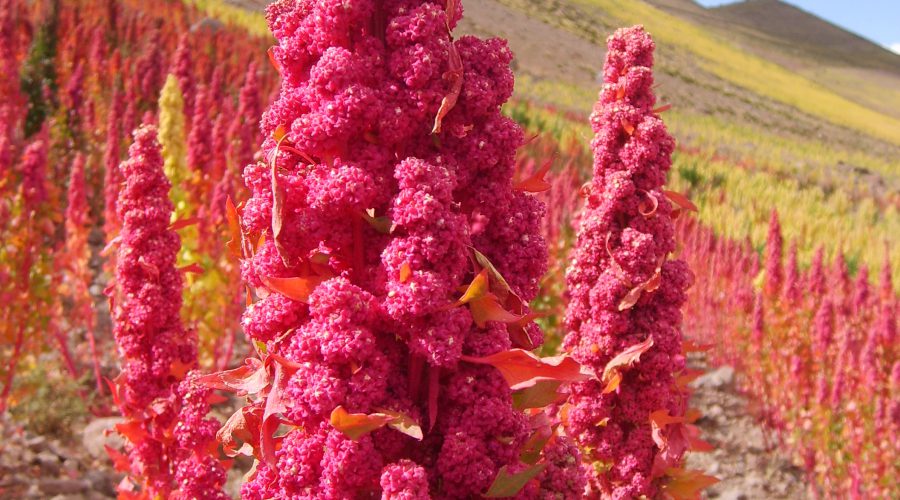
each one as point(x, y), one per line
point(253, 22)
point(736, 203)
point(725, 60)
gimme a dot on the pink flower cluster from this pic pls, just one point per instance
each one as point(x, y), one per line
point(623, 288)
point(155, 348)
point(379, 216)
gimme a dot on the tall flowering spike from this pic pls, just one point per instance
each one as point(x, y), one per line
point(370, 220)
point(171, 132)
point(183, 69)
point(147, 324)
point(198, 474)
point(244, 130)
point(886, 285)
point(112, 176)
point(792, 286)
point(77, 208)
point(199, 147)
point(34, 174)
point(861, 291)
point(823, 328)
point(758, 330)
point(774, 249)
point(841, 285)
point(816, 277)
point(624, 289)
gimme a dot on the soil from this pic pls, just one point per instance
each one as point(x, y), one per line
point(744, 460)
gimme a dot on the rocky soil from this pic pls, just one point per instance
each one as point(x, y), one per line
point(744, 460)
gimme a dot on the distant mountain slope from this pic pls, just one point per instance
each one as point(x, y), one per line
point(807, 32)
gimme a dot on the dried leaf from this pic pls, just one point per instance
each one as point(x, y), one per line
point(298, 288)
point(500, 286)
point(454, 75)
point(522, 369)
point(245, 425)
point(381, 224)
point(648, 209)
point(403, 423)
point(508, 484)
point(624, 360)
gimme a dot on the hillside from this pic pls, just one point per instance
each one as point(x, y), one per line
point(799, 31)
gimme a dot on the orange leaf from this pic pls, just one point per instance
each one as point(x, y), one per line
point(687, 485)
point(356, 425)
point(298, 288)
point(405, 272)
point(614, 380)
point(522, 369)
point(508, 484)
point(273, 60)
point(537, 182)
point(686, 377)
point(477, 288)
point(662, 109)
point(132, 430)
point(624, 360)
point(234, 228)
point(628, 126)
point(681, 200)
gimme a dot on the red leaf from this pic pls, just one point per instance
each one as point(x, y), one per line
point(298, 288)
point(183, 223)
point(625, 359)
point(537, 182)
point(539, 395)
point(191, 268)
point(662, 109)
point(508, 484)
point(454, 75)
point(120, 462)
point(250, 378)
point(681, 200)
point(522, 369)
point(357, 425)
point(275, 404)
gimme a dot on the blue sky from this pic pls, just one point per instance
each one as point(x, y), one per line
point(877, 20)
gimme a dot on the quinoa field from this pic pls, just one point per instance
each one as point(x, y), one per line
point(446, 249)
